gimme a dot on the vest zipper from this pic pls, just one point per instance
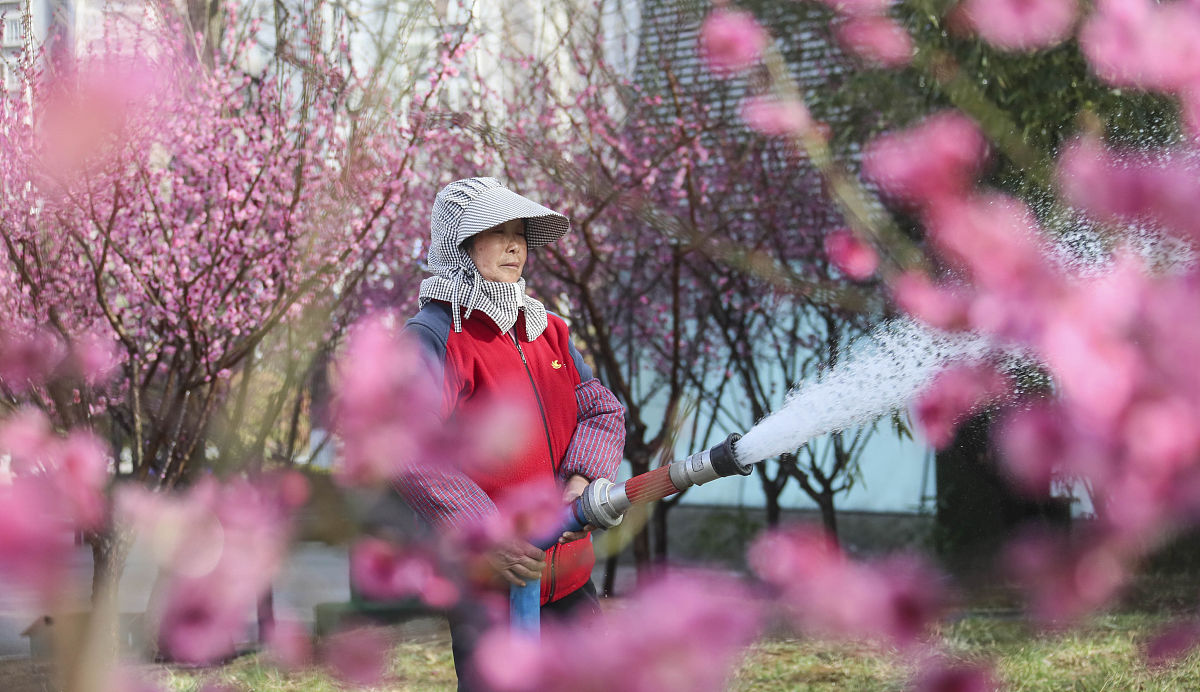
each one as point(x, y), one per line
point(553, 551)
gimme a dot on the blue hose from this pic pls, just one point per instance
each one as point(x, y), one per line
point(525, 602)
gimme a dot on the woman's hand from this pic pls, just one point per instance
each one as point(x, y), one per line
point(518, 562)
point(575, 486)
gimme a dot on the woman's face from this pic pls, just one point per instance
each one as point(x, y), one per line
point(499, 252)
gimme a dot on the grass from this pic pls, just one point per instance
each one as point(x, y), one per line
point(1105, 654)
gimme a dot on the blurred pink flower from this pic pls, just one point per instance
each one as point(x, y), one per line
point(943, 676)
point(198, 624)
point(1127, 186)
point(27, 438)
point(996, 239)
point(75, 468)
point(531, 511)
point(388, 413)
point(896, 599)
point(1066, 580)
point(853, 257)
point(944, 307)
point(1173, 643)
point(359, 657)
point(712, 612)
point(775, 117)
point(731, 40)
point(877, 39)
point(28, 360)
point(859, 8)
point(1189, 111)
point(1035, 446)
point(95, 357)
point(1144, 44)
point(952, 396)
point(81, 475)
point(289, 645)
point(1021, 25)
point(512, 661)
point(386, 401)
point(935, 159)
point(383, 570)
point(218, 547)
point(35, 544)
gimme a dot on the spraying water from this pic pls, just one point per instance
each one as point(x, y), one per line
point(878, 375)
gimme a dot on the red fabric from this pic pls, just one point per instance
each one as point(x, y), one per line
point(482, 365)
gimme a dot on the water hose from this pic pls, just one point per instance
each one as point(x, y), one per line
point(604, 503)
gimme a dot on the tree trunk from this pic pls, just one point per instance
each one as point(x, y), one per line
point(110, 548)
point(828, 515)
point(639, 463)
point(773, 510)
point(610, 575)
point(85, 664)
point(660, 532)
point(266, 615)
point(641, 552)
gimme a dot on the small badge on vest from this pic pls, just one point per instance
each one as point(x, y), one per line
point(556, 365)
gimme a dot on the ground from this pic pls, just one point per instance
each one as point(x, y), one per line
point(1104, 654)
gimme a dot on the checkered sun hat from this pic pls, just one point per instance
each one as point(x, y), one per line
point(473, 205)
point(467, 207)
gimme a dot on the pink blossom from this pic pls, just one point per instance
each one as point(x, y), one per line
point(289, 644)
point(75, 468)
point(386, 400)
point(953, 395)
point(1173, 643)
point(1129, 186)
point(388, 413)
point(935, 159)
point(35, 545)
point(28, 440)
point(1021, 25)
point(943, 676)
point(711, 611)
point(1143, 44)
point(775, 117)
point(731, 40)
point(359, 657)
point(1189, 111)
point(996, 239)
point(1035, 446)
point(219, 547)
point(895, 599)
point(1066, 581)
point(384, 571)
point(859, 8)
point(198, 624)
point(944, 307)
point(95, 358)
point(511, 661)
point(29, 360)
point(81, 476)
point(530, 511)
point(850, 255)
point(877, 39)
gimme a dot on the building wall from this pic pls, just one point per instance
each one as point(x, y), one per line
point(897, 474)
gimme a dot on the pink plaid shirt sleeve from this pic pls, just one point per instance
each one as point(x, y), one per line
point(445, 496)
point(599, 439)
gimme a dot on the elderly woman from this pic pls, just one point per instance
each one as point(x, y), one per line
point(495, 343)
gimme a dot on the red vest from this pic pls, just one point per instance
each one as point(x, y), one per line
point(482, 365)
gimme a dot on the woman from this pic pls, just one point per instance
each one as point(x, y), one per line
point(493, 342)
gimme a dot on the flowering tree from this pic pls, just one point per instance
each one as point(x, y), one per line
point(214, 226)
point(166, 244)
